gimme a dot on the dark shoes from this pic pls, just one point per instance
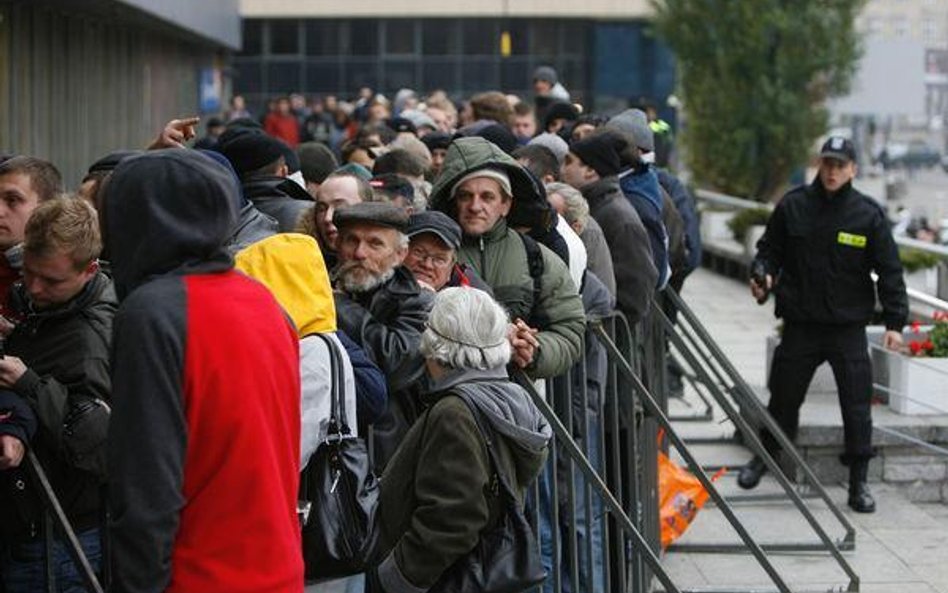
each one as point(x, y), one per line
point(751, 473)
point(860, 499)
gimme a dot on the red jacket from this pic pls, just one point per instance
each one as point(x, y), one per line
point(284, 127)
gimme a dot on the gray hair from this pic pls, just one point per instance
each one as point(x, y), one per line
point(466, 329)
point(577, 208)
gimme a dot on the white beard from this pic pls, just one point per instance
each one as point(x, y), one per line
point(349, 283)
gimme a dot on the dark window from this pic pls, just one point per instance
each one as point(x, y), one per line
point(284, 37)
point(398, 75)
point(480, 37)
point(574, 38)
point(283, 78)
point(440, 37)
point(322, 38)
point(515, 75)
point(360, 73)
point(543, 38)
point(364, 37)
point(519, 32)
point(323, 78)
point(252, 38)
point(400, 37)
point(440, 74)
point(249, 77)
point(479, 75)
point(572, 74)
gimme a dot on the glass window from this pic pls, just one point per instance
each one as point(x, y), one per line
point(515, 75)
point(400, 36)
point(249, 77)
point(364, 37)
point(440, 37)
point(480, 37)
point(323, 38)
point(360, 73)
point(283, 77)
point(398, 75)
point(323, 77)
point(439, 74)
point(574, 37)
point(543, 38)
point(479, 75)
point(284, 37)
point(252, 38)
point(519, 36)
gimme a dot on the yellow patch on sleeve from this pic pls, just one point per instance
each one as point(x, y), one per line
point(852, 240)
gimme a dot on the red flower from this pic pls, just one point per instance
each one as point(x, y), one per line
point(916, 326)
point(915, 346)
point(928, 346)
point(940, 316)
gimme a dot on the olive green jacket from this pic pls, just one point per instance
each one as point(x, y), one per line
point(500, 258)
point(438, 492)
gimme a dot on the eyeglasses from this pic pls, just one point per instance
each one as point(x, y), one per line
point(437, 260)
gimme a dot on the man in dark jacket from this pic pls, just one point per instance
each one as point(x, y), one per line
point(821, 246)
point(204, 443)
point(56, 364)
point(260, 162)
point(381, 306)
point(592, 167)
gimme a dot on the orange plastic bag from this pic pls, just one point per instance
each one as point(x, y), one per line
point(680, 497)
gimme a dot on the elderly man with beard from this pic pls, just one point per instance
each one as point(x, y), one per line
point(381, 306)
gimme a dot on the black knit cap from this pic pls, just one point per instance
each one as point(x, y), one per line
point(435, 140)
point(601, 151)
point(501, 136)
point(559, 110)
point(108, 163)
point(251, 151)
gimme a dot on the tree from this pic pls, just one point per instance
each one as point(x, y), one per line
point(755, 77)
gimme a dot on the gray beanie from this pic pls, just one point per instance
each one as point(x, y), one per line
point(557, 145)
point(634, 122)
point(546, 73)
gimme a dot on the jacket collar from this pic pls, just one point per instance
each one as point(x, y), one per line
point(496, 233)
point(601, 189)
point(268, 186)
point(817, 189)
point(90, 294)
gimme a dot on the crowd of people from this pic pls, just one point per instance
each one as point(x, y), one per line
point(171, 325)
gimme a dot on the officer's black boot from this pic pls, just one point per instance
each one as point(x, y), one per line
point(860, 500)
point(752, 473)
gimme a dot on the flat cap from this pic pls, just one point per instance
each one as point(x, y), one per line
point(372, 213)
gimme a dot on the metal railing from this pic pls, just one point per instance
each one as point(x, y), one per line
point(921, 299)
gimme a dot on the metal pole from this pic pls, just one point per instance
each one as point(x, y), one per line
point(653, 409)
point(748, 396)
point(56, 510)
point(614, 506)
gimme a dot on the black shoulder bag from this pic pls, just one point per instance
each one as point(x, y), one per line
point(341, 531)
point(506, 558)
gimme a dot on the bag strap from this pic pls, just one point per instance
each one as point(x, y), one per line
point(338, 423)
point(459, 391)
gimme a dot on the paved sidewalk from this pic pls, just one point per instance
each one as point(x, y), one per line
point(903, 547)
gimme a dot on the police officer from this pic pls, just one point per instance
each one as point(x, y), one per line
point(822, 243)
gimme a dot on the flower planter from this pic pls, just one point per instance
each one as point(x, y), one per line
point(754, 233)
point(714, 225)
point(925, 280)
point(919, 385)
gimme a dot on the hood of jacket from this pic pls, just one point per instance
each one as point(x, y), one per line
point(270, 187)
point(508, 410)
point(168, 211)
point(466, 155)
point(597, 300)
point(292, 267)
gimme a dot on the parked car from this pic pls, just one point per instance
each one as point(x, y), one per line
point(913, 155)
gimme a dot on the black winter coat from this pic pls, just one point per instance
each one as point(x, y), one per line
point(822, 249)
point(280, 198)
point(66, 351)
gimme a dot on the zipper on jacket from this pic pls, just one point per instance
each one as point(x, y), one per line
point(483, 257)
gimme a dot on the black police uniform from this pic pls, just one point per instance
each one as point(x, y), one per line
point(821, 249)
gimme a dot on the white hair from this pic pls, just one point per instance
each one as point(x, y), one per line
point(466, 329)
point(577, 208)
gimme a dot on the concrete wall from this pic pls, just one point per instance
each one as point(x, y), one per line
point(215, 20)
point(611, 9)
point(75, 86)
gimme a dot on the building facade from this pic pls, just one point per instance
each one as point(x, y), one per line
point(82, 78)
point(603, 51)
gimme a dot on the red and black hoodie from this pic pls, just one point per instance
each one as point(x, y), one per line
point(205, 430)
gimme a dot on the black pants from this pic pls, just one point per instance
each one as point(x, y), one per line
point(802, 349)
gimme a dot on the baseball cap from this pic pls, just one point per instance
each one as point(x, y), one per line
point(839, 148)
